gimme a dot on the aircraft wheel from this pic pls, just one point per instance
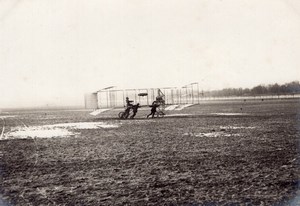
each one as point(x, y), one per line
point(126, 115)
point(121, 115)
point(160, 114)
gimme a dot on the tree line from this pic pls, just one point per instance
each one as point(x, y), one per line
point(290, 88)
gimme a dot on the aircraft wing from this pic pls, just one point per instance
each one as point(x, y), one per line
point(178, 107)
point(99, 111)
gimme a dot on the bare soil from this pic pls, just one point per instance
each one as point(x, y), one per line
point(247, 159)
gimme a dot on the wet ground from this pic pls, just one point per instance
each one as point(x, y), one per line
point(218, 153)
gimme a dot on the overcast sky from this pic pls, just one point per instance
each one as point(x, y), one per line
point(54, 51)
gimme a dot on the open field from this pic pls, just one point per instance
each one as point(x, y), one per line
point(216, 153)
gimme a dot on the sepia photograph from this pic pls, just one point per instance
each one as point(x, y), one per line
point(149, 102)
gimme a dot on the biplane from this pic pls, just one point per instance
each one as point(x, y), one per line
point(166, 99)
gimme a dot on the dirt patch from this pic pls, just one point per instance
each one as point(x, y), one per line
point(151, 162)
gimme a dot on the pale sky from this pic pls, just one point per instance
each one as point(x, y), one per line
point(54, 51)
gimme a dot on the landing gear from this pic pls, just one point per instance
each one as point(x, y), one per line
point(123, 115)
point(160, 114)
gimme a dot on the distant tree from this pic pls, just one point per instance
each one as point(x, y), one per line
point(284, 89)
point(246, 92)
point(272, 89)
point(293, 87)
point(275, 89)
point(258, 90)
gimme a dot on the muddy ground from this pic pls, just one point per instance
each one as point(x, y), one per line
point(217, 153)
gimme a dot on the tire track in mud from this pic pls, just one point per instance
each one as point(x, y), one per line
point(1, 136)
point(36, 148)
point(39, 191)
point(3, 128)
point(18, 120)
point(2, 201)
point(22, 122)
point(4, 124)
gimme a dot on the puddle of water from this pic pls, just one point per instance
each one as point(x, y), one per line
point(7, 116)
point(211, 134)
point(55, 130)
point(35, 132)
point(83, 125)
point(229, 114)
point(215, 134)
point(235, 127)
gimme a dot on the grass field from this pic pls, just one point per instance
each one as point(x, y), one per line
point(215, 153)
